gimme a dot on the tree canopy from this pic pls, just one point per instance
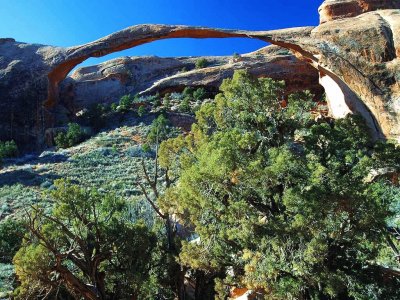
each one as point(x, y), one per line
point(280, 200)
point(85, 245)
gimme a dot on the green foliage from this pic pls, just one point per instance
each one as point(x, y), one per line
point(184, 106)
point(199, 94)
point(74, 135)
point(96, 116)
point(114, 106)
point(201, 63)
point(86, 240)
point(187, 92)
point(159, 130)
point(155, 99)
point(167, 102)
point(141, 111)
point(236, 56)
point(11, 233)
point(280, 199)
point(126, 102)
point(146, 148)
point(8, 149)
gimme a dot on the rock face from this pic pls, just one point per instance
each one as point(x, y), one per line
point(23, 87)
point(364, 52)
point(107, 82)
point(355, 50)
point(338, 9)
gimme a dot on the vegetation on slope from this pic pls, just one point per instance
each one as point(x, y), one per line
point(260, 194)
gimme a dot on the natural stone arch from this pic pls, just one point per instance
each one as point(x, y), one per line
point(295, 40)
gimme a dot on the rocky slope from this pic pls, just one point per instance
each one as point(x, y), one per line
point(355, 50)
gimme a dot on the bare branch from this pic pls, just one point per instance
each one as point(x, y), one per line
point(156, 209)
point(152, 184)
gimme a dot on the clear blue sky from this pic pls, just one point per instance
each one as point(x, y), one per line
point(74, 22)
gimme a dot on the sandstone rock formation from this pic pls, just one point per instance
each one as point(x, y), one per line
point(338, 9)
point(356, 54)
point(107, 82)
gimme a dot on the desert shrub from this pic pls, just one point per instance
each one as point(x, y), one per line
point(199, 94)
point(15, 197)
point(141, 111)
point(126, 101)
point(187, 92)
point(96, 115)
point(236, 56)
point(184, 106)
point(140, 151)
point(201, 63)
point(152, 98)
point(167, 102)
point(74, 135)
point(114, 106)
point(176, 96)
point(8, 149)
point(159, 130)
point(11, 234)
point(146, 148)
point(7, 280)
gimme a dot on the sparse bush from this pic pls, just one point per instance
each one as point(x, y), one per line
point(140, 151)
point(199, 94)
point(141, 111)
point(159, 130)
point(187, 92)
point(11, 234)
point(114, 106)
point(146, 148)
point(157, 102)
point(201, 63)
point(184, 106)
point(95, 117)
point(236, 56)
point(154, 99)
point(8, 149)
point(176, 96)
point(74, 135)
point(126, 101)
point(167, 102)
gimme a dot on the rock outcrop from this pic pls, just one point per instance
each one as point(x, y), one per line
point(356, 54)
point(107, 82)
point(339, 9)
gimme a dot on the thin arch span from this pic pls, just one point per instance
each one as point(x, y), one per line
point(142, 34)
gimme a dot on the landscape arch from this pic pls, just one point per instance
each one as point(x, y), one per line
point(341, 99)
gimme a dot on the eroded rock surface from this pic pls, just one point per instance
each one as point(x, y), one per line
point(339, 9)
point(107, 82)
